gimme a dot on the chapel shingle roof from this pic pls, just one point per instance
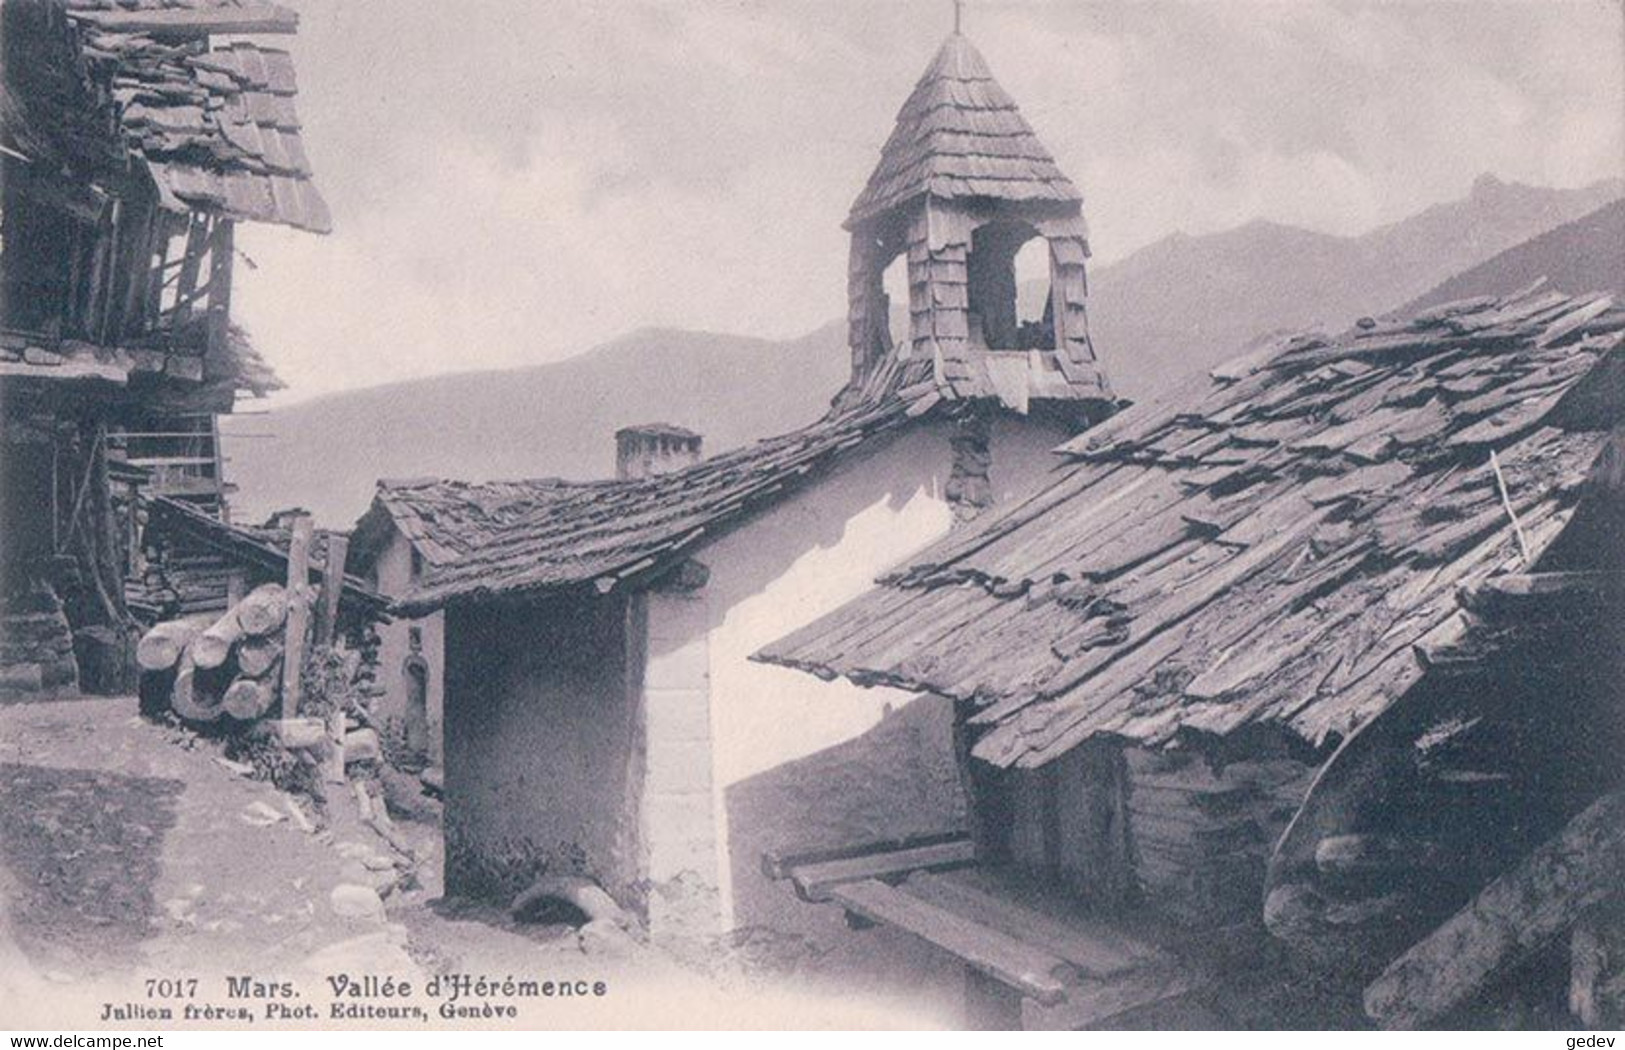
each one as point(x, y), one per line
point(961, 135)
point(521, 539)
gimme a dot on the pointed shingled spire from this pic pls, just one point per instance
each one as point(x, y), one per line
point(961, 135)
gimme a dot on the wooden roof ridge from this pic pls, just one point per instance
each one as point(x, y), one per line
point(1282, 543)
point(960, 134)
point(529, 539)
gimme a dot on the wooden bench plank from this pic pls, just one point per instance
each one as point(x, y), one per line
point(1089, 1002)
point(989, 951)
point(813, 881)
point(777, 864)
point(1094, 948)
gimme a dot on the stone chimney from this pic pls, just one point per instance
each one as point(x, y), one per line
point(654, 448)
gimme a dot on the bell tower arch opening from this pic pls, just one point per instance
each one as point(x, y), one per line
point(1008, 275)
point(894, 282)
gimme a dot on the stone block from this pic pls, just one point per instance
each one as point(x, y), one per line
point(677, 617)
point(355, 901)
point(678, 666)
point(684, 912)
point(677, 714)
point(678, 766)
point(363, 745)
point(681, 833)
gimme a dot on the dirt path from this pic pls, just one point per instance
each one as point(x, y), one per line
point(126, 854)
point(129, 854)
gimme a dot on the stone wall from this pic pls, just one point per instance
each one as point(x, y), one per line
point(392, 576)
point(802, 762)
point(643, 748)
point(543, 748)
point(678, 815)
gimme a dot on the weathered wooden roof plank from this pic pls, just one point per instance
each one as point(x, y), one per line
point(1269, 546)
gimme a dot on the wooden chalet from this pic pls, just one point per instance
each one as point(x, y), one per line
point(193, 564)
point(134, 137)
point(1327, 642)
point(600, 714)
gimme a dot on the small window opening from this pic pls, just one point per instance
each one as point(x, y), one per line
point(1035, 323)
point(894, 280)
point(1009, 288)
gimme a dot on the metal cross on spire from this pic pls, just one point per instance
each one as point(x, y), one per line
point(959, 13)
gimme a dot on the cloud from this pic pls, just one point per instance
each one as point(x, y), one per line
point(513, 182)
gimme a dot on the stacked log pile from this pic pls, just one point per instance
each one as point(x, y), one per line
point(274, 675)
point(1202, 838)
point(230, 667)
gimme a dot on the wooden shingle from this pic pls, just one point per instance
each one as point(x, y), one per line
point(1268, 546)
point(959, 135)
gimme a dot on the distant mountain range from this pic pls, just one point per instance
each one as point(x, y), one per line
point(548, 420)
point(1176, 306)
point(1184, 303)
point(1586, 255)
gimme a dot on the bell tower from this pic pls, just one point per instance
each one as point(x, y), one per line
point(962, 184)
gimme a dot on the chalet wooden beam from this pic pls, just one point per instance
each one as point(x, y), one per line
point(1597, 967)
point(222, 248)
point(327, 616)
point(1089, 943)
point(197, 241)
point(293, 660)
point(96, 281)
point(778, 865)
point(187, 22)
point(1512, 918)
point(242, 548)
point(145, 227)
point(86, 203)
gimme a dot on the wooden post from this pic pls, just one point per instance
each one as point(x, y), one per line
point(332, 587)
point(197, 242)
point(293, 650)
point(333, 764)
point(219, 308)
point(327, 614)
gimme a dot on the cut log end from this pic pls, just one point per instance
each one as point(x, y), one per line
point(212, 648)
point(256, 657)
point(191, 699)
point(263, 611)
point(161, 648)
point(247, 699)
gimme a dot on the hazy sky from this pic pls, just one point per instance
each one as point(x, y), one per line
point(514, 181)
